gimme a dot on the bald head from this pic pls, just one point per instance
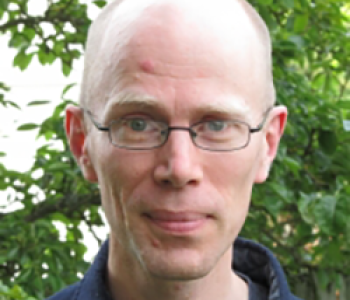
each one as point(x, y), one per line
point(229, 24)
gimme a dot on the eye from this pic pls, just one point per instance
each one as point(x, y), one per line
point(216, 125)
point(137, 124)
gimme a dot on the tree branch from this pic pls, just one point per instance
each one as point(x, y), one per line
point(30, 21)
point(66, 205)
point(308, 148)
point(91, 229)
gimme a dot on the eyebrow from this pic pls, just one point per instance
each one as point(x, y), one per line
point(235, 108)
point(131, 99)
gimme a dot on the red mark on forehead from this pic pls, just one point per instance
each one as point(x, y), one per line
point(147, 66)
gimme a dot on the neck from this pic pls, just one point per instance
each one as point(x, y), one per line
point(128, 280)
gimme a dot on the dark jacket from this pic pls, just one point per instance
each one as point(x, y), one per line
point(251, 260)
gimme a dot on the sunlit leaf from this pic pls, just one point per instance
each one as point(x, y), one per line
point(22, 60)
point(100, 4)
point(28, 126)
point(38, 102)
point(300, 22)
point(344, 104)
point(67, 89)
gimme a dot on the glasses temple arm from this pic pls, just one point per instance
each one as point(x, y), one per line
point(97, 125)
point(261, 125)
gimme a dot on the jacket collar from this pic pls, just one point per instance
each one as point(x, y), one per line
point(94, 284)
point(250, 259)
point(261, 266)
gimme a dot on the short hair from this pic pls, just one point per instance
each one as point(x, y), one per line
point(96, 61)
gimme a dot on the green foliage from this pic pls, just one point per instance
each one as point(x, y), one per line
point(3, 102)
point(301, 212)
point(64, 41)
point(15, 293)
point(32, 253)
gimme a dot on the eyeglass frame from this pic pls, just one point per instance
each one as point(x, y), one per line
point(191, 132)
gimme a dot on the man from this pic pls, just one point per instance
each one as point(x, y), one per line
point(176, 123)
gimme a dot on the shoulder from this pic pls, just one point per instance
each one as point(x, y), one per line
point(260, 265)
point(69, 293)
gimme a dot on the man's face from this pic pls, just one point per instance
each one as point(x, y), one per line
point(176, 210)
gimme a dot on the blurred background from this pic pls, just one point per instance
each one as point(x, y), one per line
point(51, 224)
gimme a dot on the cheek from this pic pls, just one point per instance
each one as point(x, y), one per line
point(121, 174)
point(232, 171)
point(233, 179)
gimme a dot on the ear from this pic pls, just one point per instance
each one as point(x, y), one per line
point(273, 132)
point(77, 138)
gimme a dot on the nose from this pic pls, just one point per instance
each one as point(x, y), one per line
point(179, 162)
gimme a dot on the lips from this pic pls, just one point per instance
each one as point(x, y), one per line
point(179, 222)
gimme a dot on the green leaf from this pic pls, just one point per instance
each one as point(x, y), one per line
point(57, 167)
point(288, 3)
point(28, 126)
point(22, 60)
point(29, 33)
point(2, 154)
point(42, 57)
point(46, 57)
point(4, 4)
point(279, 190)
point(13, 253)
point(100, 4)
point(304, 207)
point(58, 47)
point(38, 102)
point(343, 104)
point(66, 69)
point(25, 275)
point(4, 87)
point(328, 141)
point(297, 40)
point(265, 2)
point(13, 104)
point(2, 260)
point(50, 57)
point(301, 22)
point(322, 279)
point(66, 89)
point(293, 165)
point(324, 210)
point(18, 41)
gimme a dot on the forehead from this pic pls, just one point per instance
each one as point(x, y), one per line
point(170, 41)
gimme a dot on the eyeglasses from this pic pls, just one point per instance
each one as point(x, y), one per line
point(142, 133)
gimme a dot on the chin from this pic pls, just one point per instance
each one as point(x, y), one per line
point(178, 266)
point(177, 273)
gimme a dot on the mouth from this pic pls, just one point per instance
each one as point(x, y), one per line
point(177, 222)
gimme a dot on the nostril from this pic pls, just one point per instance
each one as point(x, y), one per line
point(193, 182)
point(166, 182)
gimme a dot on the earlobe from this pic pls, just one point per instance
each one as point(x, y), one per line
point(273, 133)
point(76, 135)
